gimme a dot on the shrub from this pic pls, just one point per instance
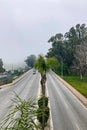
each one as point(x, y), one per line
point(43, 111)
point(43, 101)
point(43, 115)
point(22, 115)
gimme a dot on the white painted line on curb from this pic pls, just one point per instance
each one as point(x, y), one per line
point(51, 121)
point(39, 90)
point(38, 96)
point(77, 127)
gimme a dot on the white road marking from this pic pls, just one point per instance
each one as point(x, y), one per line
point(77, 127)
point(51, 120)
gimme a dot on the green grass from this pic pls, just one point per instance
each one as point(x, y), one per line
point(77, 83)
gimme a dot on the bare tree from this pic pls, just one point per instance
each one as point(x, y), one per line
point(81, 58)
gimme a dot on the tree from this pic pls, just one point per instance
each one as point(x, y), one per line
point(1, 66)
point(53, 63)
point(81, 59)
point(66, 48)
point(43, 111)
point(77, 36)
point(30, 61)
point(42, 67)
point(60, 51)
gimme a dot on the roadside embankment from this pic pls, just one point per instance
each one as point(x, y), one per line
point(13, 82)
point(73, 90)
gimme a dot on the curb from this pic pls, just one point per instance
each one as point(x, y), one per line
point(82, 98)
point(50, 117)
point(50, 122)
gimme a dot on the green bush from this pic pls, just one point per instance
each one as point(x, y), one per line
point(43, 101)
point(43, 115)
point(22, 115)
point(43, 111)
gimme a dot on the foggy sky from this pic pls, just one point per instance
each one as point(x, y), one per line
point(27, 25)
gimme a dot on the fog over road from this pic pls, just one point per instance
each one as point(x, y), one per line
point(67, 111)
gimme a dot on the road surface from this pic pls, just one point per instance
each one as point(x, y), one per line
point(67, 111)
point(26, 87)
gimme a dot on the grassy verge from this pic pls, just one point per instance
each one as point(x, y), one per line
point(77, 83)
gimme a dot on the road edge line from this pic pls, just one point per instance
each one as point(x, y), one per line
point(50, 118)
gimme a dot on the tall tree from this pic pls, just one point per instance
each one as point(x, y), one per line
point(42, 67)
point(30, 61)
point(79, 36)
point(1, 66)
point(66, 48)
point(53, 63)
point(76, 35)
point(81, 59)
point(61, 51)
